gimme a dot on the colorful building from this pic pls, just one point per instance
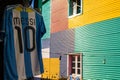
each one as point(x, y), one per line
point(85, 36)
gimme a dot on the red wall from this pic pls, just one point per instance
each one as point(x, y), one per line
point(59, 15)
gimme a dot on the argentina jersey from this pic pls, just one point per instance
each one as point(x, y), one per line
point(23, 28)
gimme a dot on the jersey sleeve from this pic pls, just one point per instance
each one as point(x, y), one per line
point(42, 26)
point(41, 30)
point(2, 29)
point(5, 21)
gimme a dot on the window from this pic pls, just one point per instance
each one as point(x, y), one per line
point(75, 7)
point(74, 64)
point(44, 0)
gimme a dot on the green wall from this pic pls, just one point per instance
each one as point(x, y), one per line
point(46, 15)
point(100, 44)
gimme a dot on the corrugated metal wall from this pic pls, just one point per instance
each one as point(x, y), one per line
point(62, 43)
point(103, 35)
point(60, 40)
point(96, 34)
point(100, 45)
point(59, 17)
point(95, 11)
point(46, 38)
point(95, 68)
point(46, 15)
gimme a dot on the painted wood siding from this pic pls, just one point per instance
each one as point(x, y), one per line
point(59, 17)
point(100, 45)
point(95, 11)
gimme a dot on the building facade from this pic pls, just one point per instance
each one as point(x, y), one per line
point(85, 36)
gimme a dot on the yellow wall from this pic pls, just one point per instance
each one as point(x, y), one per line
point(95, 11)
point(51, 68)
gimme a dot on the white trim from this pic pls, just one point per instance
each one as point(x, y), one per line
point(67, 64)
point(76, 61)
point(46, 53)
point(77, 14)
point(72, 54)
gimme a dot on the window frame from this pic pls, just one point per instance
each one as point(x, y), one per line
point(70, 11)
point(69, 64)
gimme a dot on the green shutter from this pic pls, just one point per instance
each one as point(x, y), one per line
point(70, 8)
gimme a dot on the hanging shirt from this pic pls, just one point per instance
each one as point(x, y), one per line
point(23, 28)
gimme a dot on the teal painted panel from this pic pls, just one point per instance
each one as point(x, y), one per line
point(103, 27)
point(104, 42)
point(103, 35)
point(95, 69)
point(46, 15)
point(94, 73)
point(100, 45)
